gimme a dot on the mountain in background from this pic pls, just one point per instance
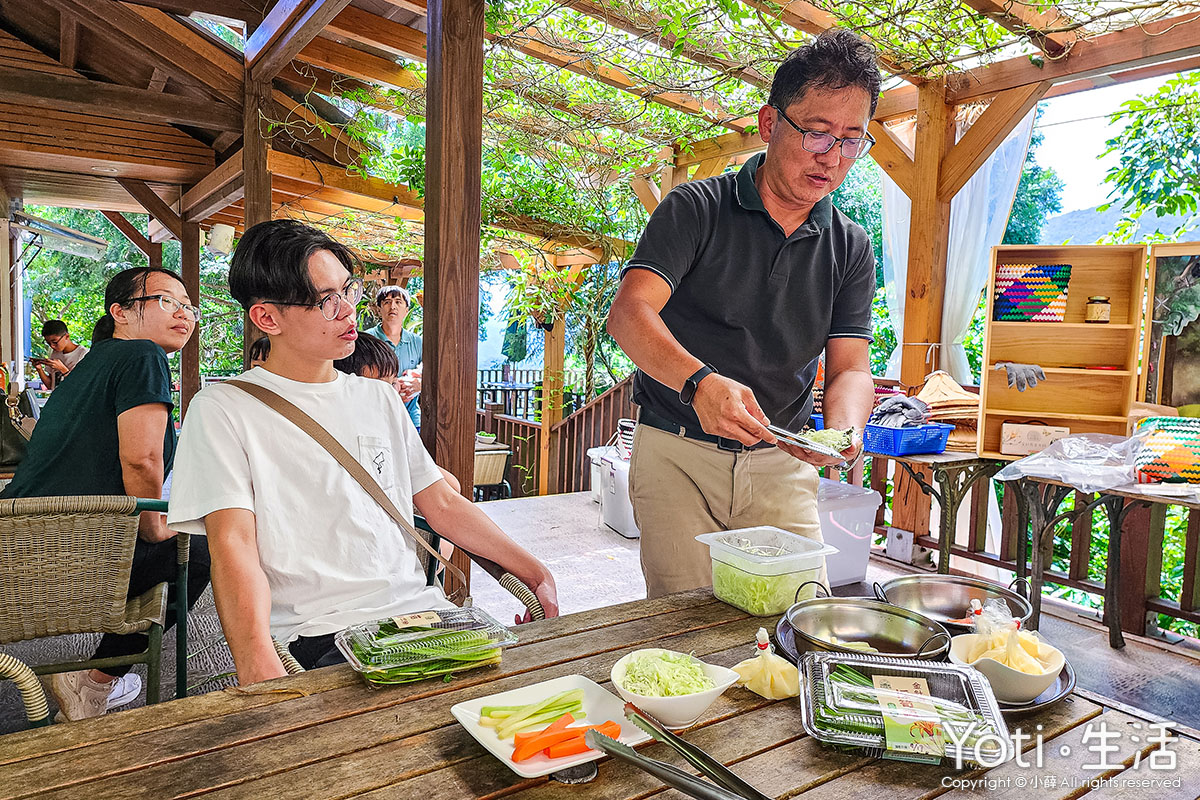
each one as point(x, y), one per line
point(1088, 225)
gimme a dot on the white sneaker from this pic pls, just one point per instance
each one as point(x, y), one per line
point(124, 690)
point(78, 696)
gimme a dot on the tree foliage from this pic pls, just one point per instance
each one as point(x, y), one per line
point(1158, 150)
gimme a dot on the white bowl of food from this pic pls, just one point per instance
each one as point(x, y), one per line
point(674, 688)
point(1009, 684)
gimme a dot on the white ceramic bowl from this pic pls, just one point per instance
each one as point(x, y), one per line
point(674, 712)
point(1009, 685)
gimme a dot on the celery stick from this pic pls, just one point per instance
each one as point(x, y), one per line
point(515, 721)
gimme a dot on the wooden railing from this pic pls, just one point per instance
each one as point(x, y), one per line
point(524, 438)
point(498, 375)
point(590, 426)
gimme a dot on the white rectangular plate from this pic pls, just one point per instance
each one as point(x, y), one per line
point(599, 704)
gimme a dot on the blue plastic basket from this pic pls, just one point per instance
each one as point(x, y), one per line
point(929, 438)
point(817, 421)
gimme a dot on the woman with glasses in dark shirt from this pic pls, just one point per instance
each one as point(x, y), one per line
point(108, 431)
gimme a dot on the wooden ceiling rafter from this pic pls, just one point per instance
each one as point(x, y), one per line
point(289, 26)
point(68, 40)
point(149, 32)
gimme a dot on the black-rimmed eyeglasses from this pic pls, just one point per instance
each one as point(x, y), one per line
point(820, 142)
point(331, 304)
point(171, 305)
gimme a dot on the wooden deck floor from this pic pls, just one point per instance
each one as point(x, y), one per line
point(595, 567)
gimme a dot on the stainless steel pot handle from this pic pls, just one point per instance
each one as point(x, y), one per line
point(934, 638)
point(820, 588)
point(880, 593)
point(1023, 582)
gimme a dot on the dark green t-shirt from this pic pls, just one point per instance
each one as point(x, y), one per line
point(74, 449)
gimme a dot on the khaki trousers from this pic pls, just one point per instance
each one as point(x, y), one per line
point(681, 488)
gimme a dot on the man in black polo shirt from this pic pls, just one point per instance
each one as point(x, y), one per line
point(736, 287)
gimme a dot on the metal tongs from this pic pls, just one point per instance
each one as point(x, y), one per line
point(731, 787)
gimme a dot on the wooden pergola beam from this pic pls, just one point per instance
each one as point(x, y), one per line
point(220, 189)
point(61, 92)
point(533, 44)
point(611, 14)
point(284, 32)
point(805, 16)
point(244, 10)
point(1025, 20)
point(1177, 37)
point(1002, 115)
point(132, 234)
point(727, 145)
point(153, 204)
point(893, 157)
point(371, 29)
point(356, 64)
point(647, 193)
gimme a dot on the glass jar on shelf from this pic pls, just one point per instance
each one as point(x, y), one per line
point(1098, 309)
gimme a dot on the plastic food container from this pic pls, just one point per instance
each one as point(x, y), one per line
point(424, 645)
point(848, 523)
point(958, 721)
point(760, 570)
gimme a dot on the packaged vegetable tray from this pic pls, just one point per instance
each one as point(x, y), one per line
point(901, 709)
point(426, 644)
point(760, 570)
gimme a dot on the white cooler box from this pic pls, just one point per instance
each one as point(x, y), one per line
point(594, 455)
point(615, 508)
point(848, 523)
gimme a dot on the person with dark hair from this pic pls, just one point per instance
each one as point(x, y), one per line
point(108, 431)
point(392, 304)
point(299, 550)
point(738, 284)
point(64, 353)
point(259, 351)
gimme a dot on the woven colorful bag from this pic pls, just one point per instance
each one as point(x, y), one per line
point(1170, 450)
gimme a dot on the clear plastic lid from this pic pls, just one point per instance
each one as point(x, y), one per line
point(842, 698)
point(419, 637)
point(766, 550)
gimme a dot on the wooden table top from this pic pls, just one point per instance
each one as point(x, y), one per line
point(324, 734)
point(1165, 493)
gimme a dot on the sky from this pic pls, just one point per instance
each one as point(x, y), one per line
point(1076, 129)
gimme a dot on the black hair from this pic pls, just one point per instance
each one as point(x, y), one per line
point(54, 327)
point(271, 262)
point(121, 289)
point(260, 349)
point(370, 353)
point(389, 291)
point(834, 60)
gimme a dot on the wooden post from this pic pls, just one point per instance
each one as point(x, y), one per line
point(1141, 564)
point(553, 356)
point(256, 179)
point(929, 235)
point(453, 163)
point(189, 263)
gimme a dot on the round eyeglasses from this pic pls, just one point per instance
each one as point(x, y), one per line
point(820, 142)
point(331, 304)
point(171, 305)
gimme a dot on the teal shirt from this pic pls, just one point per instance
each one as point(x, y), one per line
point(75, 449)
point(408, 353)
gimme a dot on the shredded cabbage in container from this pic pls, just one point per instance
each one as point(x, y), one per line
point(665, 675)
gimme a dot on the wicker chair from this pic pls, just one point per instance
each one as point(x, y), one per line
point(506, 579)
point(64, 568)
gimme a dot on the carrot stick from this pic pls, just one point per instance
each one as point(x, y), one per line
point(553, 727)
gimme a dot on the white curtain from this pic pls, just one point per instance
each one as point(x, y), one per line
point(978, 217)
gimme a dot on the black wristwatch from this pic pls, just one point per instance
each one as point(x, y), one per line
point(689, 386)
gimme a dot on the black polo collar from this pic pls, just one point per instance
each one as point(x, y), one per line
point(748, 197)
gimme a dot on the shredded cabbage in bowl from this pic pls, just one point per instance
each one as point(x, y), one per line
point(665, 675)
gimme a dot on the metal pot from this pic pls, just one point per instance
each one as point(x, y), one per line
point(945, 598)
point(893, 631)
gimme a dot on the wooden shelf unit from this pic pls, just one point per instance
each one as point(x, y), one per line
point(1075, 394)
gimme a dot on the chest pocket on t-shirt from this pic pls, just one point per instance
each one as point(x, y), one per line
point(376, 455)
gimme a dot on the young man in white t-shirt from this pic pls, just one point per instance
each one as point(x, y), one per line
point(299, 549)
